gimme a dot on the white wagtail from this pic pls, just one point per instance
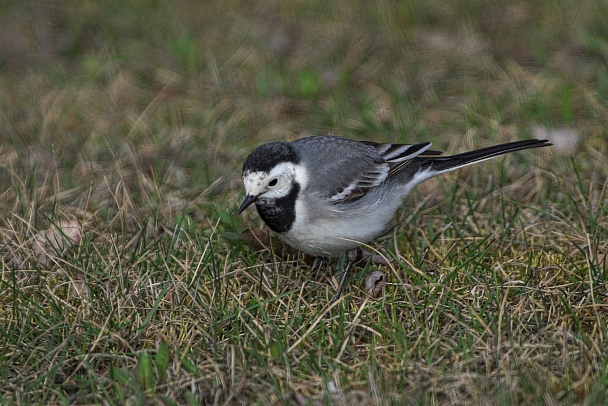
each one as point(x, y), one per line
point(324, 195)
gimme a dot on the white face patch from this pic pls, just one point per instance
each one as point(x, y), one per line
point(277, 183)
point(301, 176)
point(254, 182)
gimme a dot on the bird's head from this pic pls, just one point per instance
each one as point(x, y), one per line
point(269, 174)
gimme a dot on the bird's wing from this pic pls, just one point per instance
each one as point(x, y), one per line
point(399, 156)
point(348, 169)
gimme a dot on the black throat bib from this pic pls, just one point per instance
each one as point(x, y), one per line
point(280, 215)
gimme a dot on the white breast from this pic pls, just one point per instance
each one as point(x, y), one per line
point(326, 230)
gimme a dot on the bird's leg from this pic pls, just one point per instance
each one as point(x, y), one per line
point(320, 267)
point(351, 257)
point(317, 263)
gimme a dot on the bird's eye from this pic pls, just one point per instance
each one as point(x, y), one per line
point(273, 182)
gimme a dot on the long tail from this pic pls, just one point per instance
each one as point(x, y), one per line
point(422, 168)
point(450, 163)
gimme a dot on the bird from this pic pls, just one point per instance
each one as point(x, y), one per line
point(326, 195)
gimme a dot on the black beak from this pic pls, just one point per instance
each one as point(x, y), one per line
point(246, 203)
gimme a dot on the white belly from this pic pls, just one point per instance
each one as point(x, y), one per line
point(336, 232)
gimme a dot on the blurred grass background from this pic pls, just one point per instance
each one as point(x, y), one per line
point(129, 122)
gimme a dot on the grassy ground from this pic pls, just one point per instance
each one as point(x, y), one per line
point(124, 278)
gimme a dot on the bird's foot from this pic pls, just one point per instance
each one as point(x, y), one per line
point(319, 268)
point(351, 257)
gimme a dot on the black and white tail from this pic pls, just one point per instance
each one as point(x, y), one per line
point(422, 168)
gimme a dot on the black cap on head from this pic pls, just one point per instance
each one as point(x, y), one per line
point(267, 156)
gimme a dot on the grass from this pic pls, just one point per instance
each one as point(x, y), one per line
point(124, 276)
